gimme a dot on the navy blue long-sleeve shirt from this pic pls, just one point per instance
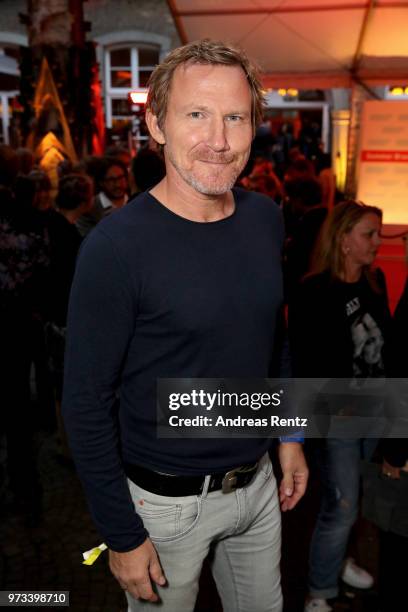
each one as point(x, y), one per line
point(154, 296)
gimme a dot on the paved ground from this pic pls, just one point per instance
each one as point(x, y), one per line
point(48, 556)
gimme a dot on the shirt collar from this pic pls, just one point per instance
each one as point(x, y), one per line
point(106, 202)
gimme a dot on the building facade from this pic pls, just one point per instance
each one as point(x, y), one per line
point(131, 36)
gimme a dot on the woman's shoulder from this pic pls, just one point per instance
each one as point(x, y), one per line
point(321, 280)
point(374, 280)
point(313, 292)
point(380, 278)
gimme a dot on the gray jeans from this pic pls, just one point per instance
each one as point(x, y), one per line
point(242, 529)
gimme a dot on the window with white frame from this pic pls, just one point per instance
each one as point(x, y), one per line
point(9, 87)
point(127, 67)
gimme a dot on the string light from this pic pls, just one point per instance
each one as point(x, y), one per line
point(398, 91)
point(291, 92)
point(138, 96)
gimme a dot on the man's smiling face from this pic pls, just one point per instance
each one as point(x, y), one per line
point(207, 130)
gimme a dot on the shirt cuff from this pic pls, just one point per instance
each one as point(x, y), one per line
point(293, 438)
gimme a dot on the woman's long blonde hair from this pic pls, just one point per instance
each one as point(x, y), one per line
point(328, 255)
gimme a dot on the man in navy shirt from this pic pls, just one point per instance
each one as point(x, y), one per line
point(183, 282)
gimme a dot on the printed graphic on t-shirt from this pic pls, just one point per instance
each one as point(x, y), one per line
point(352, 306)
point(368, 342)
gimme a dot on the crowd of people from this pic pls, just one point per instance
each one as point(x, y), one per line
point(339, 322)
point(40, 236)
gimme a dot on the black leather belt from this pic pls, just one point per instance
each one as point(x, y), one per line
point(182, 486)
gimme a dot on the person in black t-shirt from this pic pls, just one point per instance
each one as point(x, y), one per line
point(338, 325)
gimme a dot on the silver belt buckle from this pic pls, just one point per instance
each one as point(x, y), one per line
point(229, 481)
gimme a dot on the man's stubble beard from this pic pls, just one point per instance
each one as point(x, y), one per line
point(206, 188)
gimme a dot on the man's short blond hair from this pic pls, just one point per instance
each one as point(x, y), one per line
point(206, 52)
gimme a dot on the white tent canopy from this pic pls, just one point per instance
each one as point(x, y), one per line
point(307, 43)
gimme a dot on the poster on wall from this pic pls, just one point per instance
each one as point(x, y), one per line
point(383, 159)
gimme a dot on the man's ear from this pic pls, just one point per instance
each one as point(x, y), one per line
point(154, 129)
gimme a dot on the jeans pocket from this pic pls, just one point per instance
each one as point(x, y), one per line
point(265, 467)
point(165, 518)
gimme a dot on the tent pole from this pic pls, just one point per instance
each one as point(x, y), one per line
point(177, 22)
